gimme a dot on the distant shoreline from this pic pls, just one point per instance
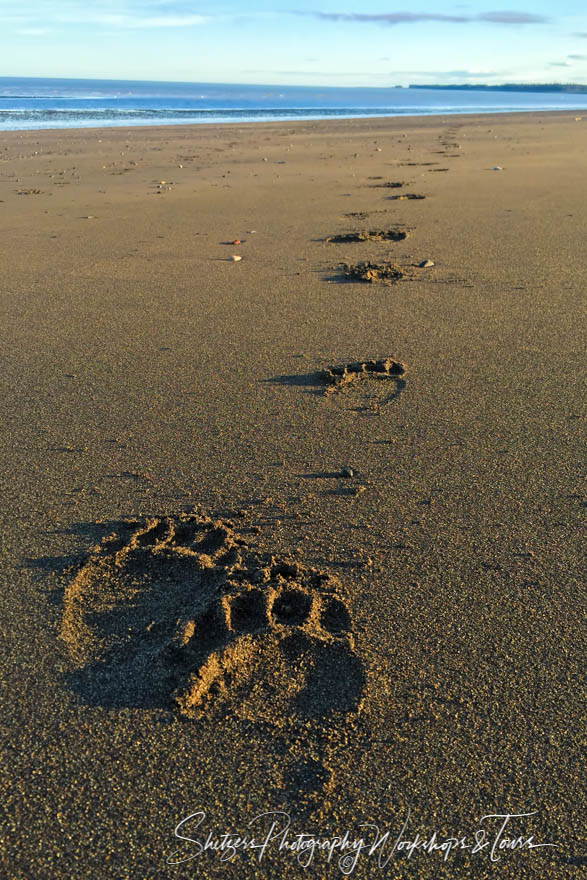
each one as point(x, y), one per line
point(580, 88)
point(540, 88)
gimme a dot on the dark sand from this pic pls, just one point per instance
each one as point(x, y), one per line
point(346, 649)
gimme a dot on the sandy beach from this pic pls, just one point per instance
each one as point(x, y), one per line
point(280, 545)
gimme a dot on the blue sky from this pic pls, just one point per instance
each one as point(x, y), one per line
point(335, 42)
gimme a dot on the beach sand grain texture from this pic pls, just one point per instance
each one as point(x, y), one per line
point(240, 578)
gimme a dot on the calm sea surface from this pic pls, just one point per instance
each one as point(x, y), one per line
point(77, 103)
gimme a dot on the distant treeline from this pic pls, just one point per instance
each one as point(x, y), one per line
point(514, 87)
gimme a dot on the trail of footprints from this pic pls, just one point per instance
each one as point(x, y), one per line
point(367, 271)
point(388, 272)
point(342, 377)
point(184, 612)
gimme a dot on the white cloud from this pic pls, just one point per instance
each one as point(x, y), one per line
point(33, 17)
point(134, 20)
point(32, 31)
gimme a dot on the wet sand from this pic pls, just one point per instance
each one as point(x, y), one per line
point(278, 539)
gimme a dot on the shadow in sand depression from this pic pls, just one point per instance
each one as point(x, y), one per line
point(314, 382)
point(181, 612)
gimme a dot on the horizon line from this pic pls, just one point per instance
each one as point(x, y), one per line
point(451, 85)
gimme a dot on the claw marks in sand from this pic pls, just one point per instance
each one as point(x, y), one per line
point(363, 215)
point(372, 377)
point(372, 273)
point(389, 184)
point(404, 196)
point(340, 375)
point(371, 235)
point(180, 611)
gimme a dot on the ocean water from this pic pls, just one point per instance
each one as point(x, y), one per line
point(76, 103)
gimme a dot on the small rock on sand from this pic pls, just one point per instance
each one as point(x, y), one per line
point(425, 264)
